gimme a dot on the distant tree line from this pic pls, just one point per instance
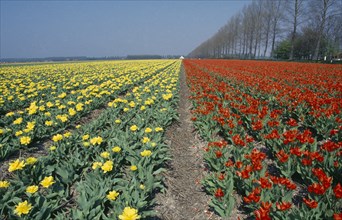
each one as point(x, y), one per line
point(148, 57)
point(58, 59)
point(85, 58)
point(283, 29)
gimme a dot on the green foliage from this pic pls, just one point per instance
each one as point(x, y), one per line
point(283, 50)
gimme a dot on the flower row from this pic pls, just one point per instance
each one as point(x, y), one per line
point(269, 147)
point(108, 168)
point(67, 102)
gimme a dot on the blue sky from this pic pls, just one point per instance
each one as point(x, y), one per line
point(109, 28)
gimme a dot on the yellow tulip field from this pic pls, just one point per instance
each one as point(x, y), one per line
point(59, 160)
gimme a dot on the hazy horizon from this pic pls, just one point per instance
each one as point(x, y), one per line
point(35, 29)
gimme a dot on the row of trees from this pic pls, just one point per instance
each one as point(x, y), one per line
point(290, 29)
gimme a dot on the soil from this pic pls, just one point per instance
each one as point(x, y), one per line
point(184, 197)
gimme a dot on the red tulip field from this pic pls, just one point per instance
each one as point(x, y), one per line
point(171, 139)
point(274, 136)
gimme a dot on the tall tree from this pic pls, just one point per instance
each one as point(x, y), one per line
point(261, 24)
point(266, 20)
point(257, 17)
point(276, 16)
point(322, 10)
point(295, 12)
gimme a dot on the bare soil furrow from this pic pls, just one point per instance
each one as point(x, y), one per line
point(184, 197)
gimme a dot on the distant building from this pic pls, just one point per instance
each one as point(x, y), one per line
point(337, 57)
point(181, 58)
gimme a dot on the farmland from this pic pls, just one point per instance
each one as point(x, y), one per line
point(274, 136)
point(103, 168)
point(97, 140)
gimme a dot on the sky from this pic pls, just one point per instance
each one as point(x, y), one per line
point(37, 28)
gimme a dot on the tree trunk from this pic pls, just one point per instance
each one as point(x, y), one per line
point(244, 44)
point(251, 46)
point(273, 37)
point(321, 29)
point(255, 46)
point(293, 37)
point(268, 29)
point(240, 48)
point(272, 47)
point(266, 43)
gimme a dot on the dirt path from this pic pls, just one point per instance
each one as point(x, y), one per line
point(184, 197)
